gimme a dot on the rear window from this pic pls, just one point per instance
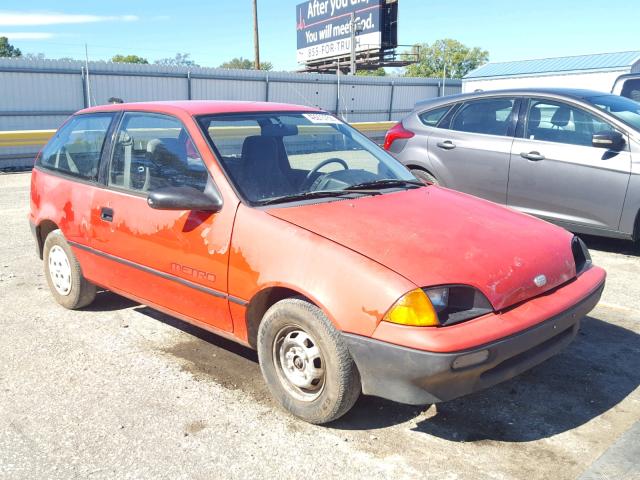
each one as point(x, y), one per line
point(486, 116)
point(631, 89)
point(77, 146)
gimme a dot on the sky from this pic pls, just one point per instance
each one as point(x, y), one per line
point(214, 31)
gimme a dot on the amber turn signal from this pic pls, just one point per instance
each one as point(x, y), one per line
point(413, 308)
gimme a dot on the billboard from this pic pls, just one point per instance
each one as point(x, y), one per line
point(324, 27)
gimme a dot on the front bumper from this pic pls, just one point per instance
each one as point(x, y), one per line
point(418, 377)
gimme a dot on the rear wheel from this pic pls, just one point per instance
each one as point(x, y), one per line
point(424, 175)
point(62, 270)
point(305, 363)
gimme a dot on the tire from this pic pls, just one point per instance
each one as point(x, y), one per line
point(292, 332)
point(63, 273)
point(424, 175)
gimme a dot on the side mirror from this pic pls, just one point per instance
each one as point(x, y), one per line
point(184, 198)
point(608, 140)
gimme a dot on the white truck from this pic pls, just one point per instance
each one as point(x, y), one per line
point(627, 85)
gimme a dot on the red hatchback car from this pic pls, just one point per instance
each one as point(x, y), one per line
point(286, 230)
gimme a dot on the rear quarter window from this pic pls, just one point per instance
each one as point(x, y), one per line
point(432, 118)
point(77, 147)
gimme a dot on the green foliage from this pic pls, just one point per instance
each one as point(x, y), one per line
point(180, 60)
point(240, 63)
point(128, 59)
point(455, 56)
point(34, 56)
point(8, 50)
point(380, 72)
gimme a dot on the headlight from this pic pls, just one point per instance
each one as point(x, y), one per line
point(438, 306)
point(581, 255)
point(462, 303)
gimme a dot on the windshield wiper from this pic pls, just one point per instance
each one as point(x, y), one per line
point(386, 183)
point(315, 194)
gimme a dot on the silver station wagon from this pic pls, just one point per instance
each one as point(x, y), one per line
point(568, 156)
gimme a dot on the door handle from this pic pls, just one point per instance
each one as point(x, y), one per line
point(446, 145)
point(106, 214)
point(534, 156)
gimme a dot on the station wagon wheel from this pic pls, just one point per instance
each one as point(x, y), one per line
point(64, 275)
point(299, 363)
point(305, 362)
point(425, 176)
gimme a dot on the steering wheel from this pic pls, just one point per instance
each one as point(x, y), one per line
point(309, 179)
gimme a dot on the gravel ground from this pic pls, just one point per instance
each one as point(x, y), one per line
point(122, 391)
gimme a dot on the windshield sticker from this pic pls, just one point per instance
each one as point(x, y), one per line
point(320, 118)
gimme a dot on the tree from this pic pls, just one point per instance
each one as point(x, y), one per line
point(34, 56)
point(457, 58)
point(128, 59)
point(180, 60)
point(378, 72)
point(8, 50)
point(245, 64)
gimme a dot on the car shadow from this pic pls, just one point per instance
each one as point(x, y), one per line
point(595, 373)
point(107, 301)
point(612, 245)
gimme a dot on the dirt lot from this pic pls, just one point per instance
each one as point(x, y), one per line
point(122, 391)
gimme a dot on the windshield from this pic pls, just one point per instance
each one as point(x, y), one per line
point(273, 157)
point(622, 108)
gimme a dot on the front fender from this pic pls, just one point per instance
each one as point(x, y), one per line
point(354, 291)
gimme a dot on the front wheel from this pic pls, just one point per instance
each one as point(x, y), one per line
point(425, 176)
point(305, 363)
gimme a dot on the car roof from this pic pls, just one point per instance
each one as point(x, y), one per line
point(575, 93)
point(201, 107)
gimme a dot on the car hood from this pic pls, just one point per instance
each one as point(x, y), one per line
point(435, 236)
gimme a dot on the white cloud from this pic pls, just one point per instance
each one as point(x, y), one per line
point(23, 19)
point(27, 35)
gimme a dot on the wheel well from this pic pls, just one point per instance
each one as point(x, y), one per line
point(636, 228)
point(42, 231)
point(420, 167)
point(260, 303)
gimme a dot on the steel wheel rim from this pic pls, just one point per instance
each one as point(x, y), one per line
point(60, 270)
point(299, 363)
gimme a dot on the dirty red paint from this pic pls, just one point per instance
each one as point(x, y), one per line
point(353, 258)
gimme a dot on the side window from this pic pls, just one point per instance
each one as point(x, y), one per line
point(154, 151)
point(490, 117)
point(631, 89)
point(77, 147)
point(559, 122)
point(433, 117)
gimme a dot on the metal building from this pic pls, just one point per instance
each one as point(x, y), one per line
point(596, 72)
point(40, 94)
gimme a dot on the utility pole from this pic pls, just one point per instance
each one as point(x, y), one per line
point(256, 41)
point(444, 67)
point(86, 62)
point(353, 44)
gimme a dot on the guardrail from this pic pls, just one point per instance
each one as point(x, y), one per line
point(37, 138)
point(25, 138)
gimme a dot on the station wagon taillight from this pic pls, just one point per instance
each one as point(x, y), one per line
point(396, 132)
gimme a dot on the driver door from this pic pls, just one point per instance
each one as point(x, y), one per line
point(172, 259)
point(558, 175)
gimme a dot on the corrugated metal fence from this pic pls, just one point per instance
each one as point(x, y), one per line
point(40, 94)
